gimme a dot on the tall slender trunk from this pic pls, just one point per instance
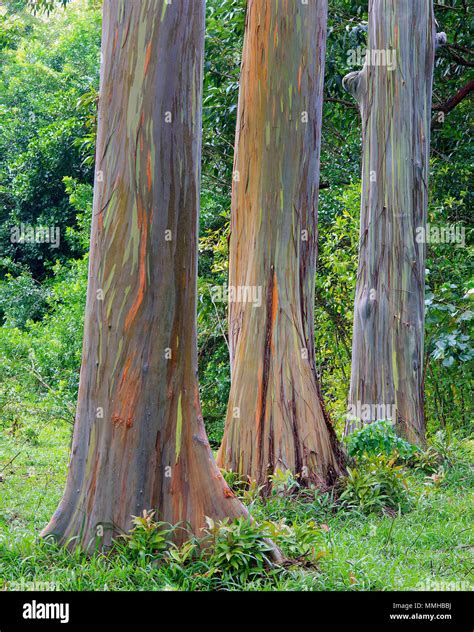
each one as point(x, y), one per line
point(139, 439)
point(275, 417)
point(394, 91)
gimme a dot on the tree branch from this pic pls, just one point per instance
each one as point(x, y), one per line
point(462, 49)
point(451, 103)
point(458, 58)
point(438, 5)
point(348, 104)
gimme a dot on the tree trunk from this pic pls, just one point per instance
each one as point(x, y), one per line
point(275, 418)
point(394, 91)
point(139, 440)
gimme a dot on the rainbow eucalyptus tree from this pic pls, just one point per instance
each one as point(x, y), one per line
point(394, 91)
point(139, 439)
point(275, 418)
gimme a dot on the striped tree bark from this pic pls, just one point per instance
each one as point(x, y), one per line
point(394, 91)
point(275, 418)
point(139, 439)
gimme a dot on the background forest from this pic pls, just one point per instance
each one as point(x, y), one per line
point(407, 530)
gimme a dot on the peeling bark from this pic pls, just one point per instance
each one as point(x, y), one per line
point(139, 439)
point(275, 417)
point(395, 104)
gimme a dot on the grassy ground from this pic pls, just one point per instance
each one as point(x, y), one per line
point(429, 547)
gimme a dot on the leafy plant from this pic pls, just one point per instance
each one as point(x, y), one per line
point(304, 539)
point(379, 438)
point(283, 482)
point(444, 451)
point(233, 479)
point(374, 485)
point(448, 448)
point(426, 460)
point(248, 491)
point(148, 537)
point(238, 549)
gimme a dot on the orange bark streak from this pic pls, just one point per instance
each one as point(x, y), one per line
point(125, 370)
point(147, 57)
point(274, 308)
point(148, 170)
point(127, 396)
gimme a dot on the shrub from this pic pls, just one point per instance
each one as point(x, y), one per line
point(237, 550)
point(379, 438)
point(148, 536)
point(304, 539)
point(21, 299)
point(283, 483)
point(228, 552)
point(375, 485)
point(234, 480)
point(39, 367)
point(444, 452)
point(449, 449)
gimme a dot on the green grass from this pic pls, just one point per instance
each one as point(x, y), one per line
point(428, 547)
